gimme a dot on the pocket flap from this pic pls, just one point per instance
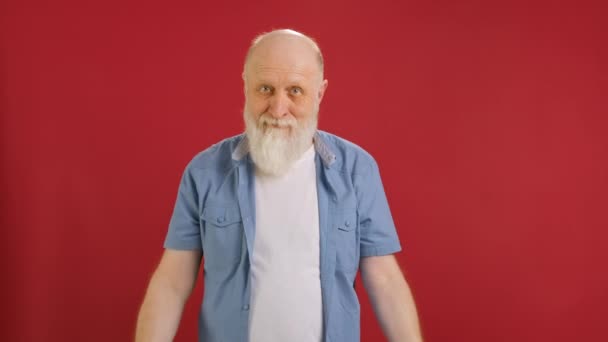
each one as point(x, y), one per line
point(221, 216)
point(347, 220)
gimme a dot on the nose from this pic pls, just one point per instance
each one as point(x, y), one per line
point(278, 106)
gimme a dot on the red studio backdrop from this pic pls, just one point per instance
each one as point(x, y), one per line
point(488, 120)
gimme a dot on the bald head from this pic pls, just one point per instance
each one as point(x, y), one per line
point(286, 45)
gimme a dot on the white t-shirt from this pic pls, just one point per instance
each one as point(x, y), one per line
point(286, 288)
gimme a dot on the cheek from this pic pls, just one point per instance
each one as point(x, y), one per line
point(259, 107)
point(255, 105)
point(304, 108)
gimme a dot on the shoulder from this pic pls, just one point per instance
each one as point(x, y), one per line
point(350, 157)
point(218, 156)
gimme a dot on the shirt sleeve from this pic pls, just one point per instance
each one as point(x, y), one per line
point(184, 227)
point(378, 233)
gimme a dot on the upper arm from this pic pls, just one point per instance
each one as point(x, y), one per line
point(179, 269)
point(184, 227)
point(377, 229)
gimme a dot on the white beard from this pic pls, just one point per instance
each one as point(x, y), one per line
point(274, 150)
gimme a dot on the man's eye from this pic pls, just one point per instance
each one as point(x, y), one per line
point(296, 90)
point(265, 89)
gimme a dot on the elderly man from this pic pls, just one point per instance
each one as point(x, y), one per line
point(283, 217)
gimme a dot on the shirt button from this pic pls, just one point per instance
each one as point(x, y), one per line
point(245, 307)
point(347, 223)
point(221, 219)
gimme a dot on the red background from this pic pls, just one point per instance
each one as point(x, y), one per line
point(488, 121)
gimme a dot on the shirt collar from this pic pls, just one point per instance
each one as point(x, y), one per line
point(321, 147)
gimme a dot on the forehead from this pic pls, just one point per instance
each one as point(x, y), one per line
point(281, 57)
point(278, 74)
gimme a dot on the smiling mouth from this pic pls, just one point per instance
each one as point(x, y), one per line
point(275, 126)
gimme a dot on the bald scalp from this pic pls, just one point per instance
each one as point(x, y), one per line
point(283, 33)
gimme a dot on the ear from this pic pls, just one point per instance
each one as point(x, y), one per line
point(322, 90)
point(244, 82)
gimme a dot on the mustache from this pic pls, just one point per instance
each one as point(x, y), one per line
point(267, 119)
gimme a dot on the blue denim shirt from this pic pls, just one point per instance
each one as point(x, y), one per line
point(215, 212)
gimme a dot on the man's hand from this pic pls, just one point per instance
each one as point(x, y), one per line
point(167, 293)
point(391, 298)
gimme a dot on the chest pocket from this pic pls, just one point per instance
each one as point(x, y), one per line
point(346, 224)
point(223, 236)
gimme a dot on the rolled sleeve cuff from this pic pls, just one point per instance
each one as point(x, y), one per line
point(381, 250)
point(182, 245)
